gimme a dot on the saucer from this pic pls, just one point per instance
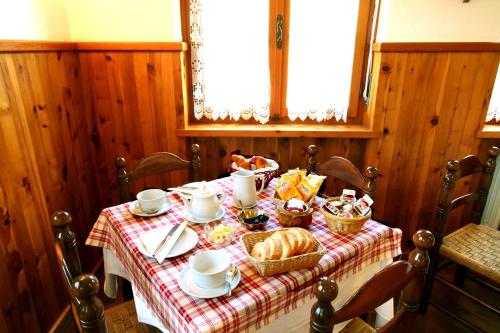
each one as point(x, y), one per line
point(194, 219)
point(135, 209)
point(188, 286)
point(235, 205)
point(186, 241)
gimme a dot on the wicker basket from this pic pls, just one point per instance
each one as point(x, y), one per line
point(271, 267)
point(344, 225)
point(268, 172)
point(289, 219)
point(278, 201)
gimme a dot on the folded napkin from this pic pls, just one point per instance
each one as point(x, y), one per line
point(152, 239)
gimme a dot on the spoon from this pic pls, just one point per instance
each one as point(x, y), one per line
point(245, 212)
point(229, 277)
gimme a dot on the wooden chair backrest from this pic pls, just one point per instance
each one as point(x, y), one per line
point(402, 277)
point(154, 164)
point(343, 169)
point(469, 165)
point(81, 288)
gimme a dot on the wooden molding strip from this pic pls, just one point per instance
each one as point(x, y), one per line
point(437, 47)
point(131, 46)
point(489, 132)
point(35, 46)
point(291, 130)
point(51, 46)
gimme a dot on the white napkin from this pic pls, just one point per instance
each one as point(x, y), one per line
point(153, 238)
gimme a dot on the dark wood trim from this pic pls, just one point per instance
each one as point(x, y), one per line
point(288, 130)
point(131, 46)
point(437, 47)
point(50, 46)
point(35, 46)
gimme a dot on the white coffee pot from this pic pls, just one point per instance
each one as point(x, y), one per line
point(204, 203)
point(244, 188)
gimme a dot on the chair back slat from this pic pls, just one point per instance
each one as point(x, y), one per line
point(377, 290)
point(464, 200)
point(469, 165)
point(155, 164)
point(342, 169)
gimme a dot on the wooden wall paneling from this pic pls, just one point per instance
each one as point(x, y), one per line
point(386, 98)
point(30, 298)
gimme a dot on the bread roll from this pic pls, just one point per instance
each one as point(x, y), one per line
point(284, 244)
point(241, 161)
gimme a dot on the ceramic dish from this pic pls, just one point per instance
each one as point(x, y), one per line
point(135, 209)
point(188, 286)
point(188, 216)
point(187, 240)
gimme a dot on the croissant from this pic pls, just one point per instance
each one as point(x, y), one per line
point(284, 244)
point(241, 161)
point(260, 162)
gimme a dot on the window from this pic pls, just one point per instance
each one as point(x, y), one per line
point(493, 114)
point(277, 60)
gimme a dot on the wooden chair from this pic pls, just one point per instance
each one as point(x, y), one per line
point(155, 164)
point(475, 246)
point(82, 289)
point(343, 169)
point(404, 278)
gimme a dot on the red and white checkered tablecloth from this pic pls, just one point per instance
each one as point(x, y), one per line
point(257, 300)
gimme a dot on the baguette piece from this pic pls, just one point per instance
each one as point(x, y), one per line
point(284, 244)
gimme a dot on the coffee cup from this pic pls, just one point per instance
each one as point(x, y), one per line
point(152, 200)
point(208, 268)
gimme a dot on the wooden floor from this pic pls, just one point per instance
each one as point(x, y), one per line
point(435, 321)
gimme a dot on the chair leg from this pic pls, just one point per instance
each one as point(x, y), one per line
point(460, 274)
point(127, 290)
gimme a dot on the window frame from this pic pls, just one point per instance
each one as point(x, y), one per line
point(278, 67)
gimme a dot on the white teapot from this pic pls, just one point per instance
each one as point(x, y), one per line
point(204, 203)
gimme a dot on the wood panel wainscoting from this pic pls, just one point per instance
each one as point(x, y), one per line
point(68, 109)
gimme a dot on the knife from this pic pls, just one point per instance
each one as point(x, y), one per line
point(164, 241)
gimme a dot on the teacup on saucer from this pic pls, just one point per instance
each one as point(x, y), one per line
point(208, 268)
point(188, 286)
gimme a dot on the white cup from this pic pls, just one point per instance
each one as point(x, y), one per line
point(208, 268)
point(151, 200)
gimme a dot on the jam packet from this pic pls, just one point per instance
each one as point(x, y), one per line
point(362, 205)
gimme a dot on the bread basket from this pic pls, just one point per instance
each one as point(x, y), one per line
point(268, 172)
point(272, 267)
point(344, 225)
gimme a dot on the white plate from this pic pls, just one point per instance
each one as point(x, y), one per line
point(135, 209)
point(194, 219)
point(186, 241)
point(188, 286)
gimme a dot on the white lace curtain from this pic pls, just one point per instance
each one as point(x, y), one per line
point(321, 51)
point(494, 108)
point(229, 52)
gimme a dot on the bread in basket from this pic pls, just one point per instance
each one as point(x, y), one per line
point(275, 266)
point(263, 166)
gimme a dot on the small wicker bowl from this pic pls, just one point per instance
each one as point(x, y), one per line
point(278, 201)
point(344, 225)
point(289, 219)
point(271, 267)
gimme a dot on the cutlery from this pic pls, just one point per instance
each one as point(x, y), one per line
point(229, 277)
point(165, 240)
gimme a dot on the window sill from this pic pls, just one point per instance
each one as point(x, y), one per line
point(288, 130)
point(490, 132)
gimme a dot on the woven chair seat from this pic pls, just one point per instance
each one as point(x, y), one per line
point(123, 319)
point(358, 325)
point(476, 247)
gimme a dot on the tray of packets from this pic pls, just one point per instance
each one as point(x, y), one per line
point(346, 214)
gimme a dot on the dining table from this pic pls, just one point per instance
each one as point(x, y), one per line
point(277, 303)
